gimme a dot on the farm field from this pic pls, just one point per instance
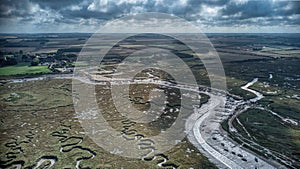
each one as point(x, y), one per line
point(23, 69)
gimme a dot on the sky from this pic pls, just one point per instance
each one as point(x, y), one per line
point(211, 16)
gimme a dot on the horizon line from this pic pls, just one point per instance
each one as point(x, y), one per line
point(166, 32)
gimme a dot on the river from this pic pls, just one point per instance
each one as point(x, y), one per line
point(206, 133)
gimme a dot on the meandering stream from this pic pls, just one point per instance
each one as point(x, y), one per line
point(206, 132)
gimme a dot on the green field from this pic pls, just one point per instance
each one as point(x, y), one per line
point(23, 69)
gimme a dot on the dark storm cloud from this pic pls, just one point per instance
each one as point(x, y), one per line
point(56, 4)
point(209, 12)
point(253, 9)
point(113, 8)
point(260, 13)
point(9, 8)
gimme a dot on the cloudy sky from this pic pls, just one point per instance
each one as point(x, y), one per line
point(245, 16)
